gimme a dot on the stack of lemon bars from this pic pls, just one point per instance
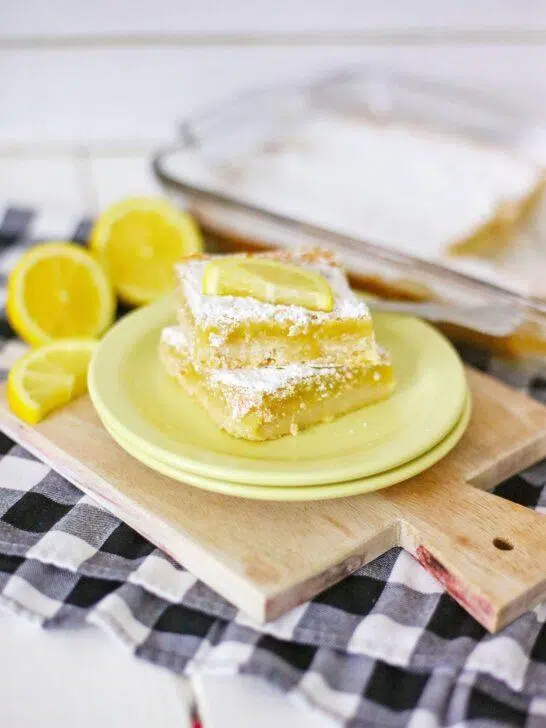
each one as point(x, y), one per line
point(273, 343)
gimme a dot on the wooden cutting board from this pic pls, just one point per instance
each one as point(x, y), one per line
point(265, 557)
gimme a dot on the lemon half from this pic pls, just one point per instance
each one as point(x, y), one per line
point(57, 290)
point(138, 241)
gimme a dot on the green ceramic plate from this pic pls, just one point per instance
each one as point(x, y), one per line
point(151, 412)
point(312, 492)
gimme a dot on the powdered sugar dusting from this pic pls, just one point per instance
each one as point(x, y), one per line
point(395, 184)
point(261, 380)
point(245, 389)
point(174, 336)
point(227, 312)
point(268, 380)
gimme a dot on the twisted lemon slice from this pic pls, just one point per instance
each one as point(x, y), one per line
point(270, 281)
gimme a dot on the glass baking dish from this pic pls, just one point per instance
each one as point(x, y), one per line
point(224, 138)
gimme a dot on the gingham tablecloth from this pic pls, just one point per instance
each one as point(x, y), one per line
point(386, 647)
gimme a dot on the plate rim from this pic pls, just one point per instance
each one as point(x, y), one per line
point(330, 491)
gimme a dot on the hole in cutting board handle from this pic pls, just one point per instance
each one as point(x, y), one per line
point(502, 544)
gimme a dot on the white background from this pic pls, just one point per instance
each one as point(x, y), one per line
point(87, 89)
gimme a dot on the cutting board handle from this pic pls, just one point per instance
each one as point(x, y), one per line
point(489, 553)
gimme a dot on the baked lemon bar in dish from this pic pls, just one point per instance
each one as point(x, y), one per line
point(268, 402)
point(427, 193)
point(231, 331)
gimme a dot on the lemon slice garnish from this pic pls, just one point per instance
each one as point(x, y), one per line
point(57, 290)
point(49, 377)
point(138, 241)
point(269, 281)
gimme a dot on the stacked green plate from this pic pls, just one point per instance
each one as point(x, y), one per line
point(152, 418)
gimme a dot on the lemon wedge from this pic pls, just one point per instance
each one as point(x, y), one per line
point(139, 240)
point(57, 290)
point(49, 377)
point(269, 281)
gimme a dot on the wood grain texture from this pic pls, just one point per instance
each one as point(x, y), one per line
point(268, 557)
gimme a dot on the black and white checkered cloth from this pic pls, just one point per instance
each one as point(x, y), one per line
point(386, 647)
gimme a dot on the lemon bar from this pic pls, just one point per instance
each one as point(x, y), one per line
point(425, 192)
point(268, 402)
point(229, 332)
